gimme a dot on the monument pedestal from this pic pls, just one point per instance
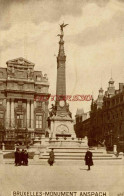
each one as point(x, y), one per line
point(67, 142)
point(62, 127)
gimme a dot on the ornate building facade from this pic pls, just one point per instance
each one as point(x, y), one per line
point(23, 114)
point(106, 122)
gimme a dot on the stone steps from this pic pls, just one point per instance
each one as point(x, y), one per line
point(70, 156)
point(74, 152)
point(81, 158)
point(77, 154)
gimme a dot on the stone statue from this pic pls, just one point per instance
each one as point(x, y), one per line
point(62, 26)
point(30, 73)
point(45, 76)
point(11, 72)
point(67, 108)
point(53, 111)
point(61, 29)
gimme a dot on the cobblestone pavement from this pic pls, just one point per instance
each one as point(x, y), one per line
point(61, 178)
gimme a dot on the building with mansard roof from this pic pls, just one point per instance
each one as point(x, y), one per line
point(23, 102)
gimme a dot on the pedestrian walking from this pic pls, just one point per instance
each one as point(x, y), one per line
point(51, 158)
point(88, 159)
point(26, 158)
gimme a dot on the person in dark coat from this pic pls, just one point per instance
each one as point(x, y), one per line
point(17, 157)
point(88, 159)
point(26, 158)
point(51, 157)
point(22, 157)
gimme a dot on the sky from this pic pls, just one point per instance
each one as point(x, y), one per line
point(94, 41)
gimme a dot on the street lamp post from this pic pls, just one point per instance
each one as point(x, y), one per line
point(118, 138)
point(111, 141)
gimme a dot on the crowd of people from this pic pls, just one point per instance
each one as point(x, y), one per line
point(21, 157)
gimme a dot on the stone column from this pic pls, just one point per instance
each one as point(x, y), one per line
point(34, 104)
point(28, 113)
point(46, 114)
point(12, 113)
point(44, 121)
point(8, 113)
point(32, 114)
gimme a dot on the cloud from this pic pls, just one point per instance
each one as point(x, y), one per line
point(106, 30)
point(14, 11)
point(100, 3)
point(122, 1)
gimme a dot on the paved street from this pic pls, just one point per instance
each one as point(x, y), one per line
point(61, 178)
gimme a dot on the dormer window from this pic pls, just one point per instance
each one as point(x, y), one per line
point(38, 78)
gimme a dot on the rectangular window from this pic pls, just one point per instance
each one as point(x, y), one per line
point(20, 120)
point(39, 121)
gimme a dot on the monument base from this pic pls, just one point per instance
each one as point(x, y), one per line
point(60, 143)
point(62, 127)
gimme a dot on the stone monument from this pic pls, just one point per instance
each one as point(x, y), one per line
point(61, 123)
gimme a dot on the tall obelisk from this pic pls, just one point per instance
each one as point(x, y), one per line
point(61, 120)
point(61, 76)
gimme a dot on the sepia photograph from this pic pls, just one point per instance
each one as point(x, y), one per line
point(61, 97)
